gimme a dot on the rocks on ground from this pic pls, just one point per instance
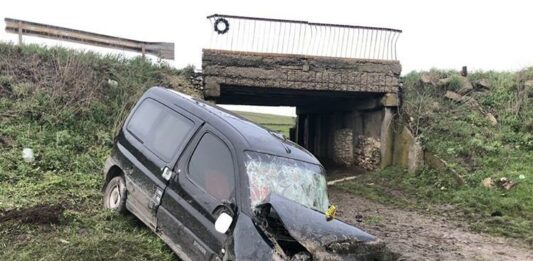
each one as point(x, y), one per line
point(481, 85)
point(461, 84)
point(503, 183)
point(471, 102)
point(453, 96)
point(464, 85)
point(428, 79)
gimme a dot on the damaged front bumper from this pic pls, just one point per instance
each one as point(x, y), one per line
point(292, 231)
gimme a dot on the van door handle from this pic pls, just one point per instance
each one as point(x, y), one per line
point(167, 173)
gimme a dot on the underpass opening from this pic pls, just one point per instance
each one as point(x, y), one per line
point(280, 119)
point(341, 128)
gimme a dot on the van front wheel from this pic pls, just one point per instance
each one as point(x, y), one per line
point(115, 194)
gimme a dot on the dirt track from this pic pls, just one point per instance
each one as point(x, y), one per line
point(422, 237)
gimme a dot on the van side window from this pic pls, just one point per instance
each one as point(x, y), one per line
point(159, 128)
point(211, 167)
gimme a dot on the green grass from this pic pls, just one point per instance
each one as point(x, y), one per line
point(473, 149)
point(277, 123)
point(88, 233)
point(495, 211)
point(58, 103)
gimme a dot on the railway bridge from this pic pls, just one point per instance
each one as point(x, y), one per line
point(342, 79)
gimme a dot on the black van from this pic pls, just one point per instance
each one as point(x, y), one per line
point(215, 186)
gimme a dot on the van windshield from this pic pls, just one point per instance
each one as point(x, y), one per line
point(296, 180)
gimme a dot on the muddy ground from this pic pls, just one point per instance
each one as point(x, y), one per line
point(413, 235)
point(419, 236)
point(40, 214)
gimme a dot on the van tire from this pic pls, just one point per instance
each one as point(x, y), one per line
point(115, 195)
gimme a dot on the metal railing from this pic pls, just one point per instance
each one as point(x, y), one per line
point(253, 34)
point(20, 27)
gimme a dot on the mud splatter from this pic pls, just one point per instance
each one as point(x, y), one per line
point(40, 214)
point(6, 142)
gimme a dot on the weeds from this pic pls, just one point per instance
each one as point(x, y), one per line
point(67, 106)
point(62, 104)
point(473, 148)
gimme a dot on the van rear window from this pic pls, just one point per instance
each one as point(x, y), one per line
point(161, 129)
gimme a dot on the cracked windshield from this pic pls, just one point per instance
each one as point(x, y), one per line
point(296, 180)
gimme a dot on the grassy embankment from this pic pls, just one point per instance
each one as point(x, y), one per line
point(474, 150)
point(60, 103)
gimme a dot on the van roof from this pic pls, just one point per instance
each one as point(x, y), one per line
point(257, 137)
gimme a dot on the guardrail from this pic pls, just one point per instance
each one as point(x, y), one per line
point(20, 27)
point(254, 34)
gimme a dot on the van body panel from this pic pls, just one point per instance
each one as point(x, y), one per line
point(182, 210)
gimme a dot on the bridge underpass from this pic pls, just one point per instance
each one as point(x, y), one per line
point(342, 102)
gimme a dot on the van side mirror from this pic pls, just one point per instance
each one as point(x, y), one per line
point(223, 222)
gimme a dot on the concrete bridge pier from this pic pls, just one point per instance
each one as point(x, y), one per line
point(337, 134)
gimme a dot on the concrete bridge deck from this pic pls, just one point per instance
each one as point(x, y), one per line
point(252, 78)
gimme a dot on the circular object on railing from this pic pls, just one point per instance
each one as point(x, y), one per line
point(221, 26)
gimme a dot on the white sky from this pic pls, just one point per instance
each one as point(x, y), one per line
point(447, 34)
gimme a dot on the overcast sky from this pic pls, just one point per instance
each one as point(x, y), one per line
point(495, 35)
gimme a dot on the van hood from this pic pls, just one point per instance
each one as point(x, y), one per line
point(322, 238)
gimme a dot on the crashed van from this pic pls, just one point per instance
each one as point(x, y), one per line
point(215, 186)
